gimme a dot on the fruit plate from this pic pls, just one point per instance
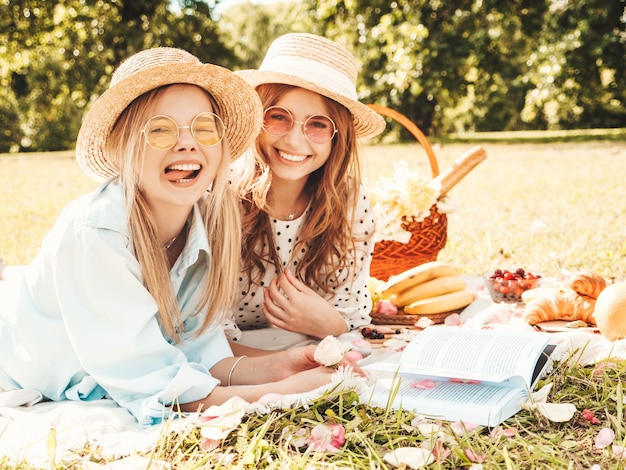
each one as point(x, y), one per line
point(404, 319)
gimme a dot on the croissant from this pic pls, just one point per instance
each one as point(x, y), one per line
point(567, 304)
point(588, 284)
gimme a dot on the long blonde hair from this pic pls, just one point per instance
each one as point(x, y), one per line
point(333, 189)
point(220, 213)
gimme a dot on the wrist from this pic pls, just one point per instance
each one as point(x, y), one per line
point(336, 327)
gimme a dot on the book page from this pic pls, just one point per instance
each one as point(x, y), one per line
point(483, 354)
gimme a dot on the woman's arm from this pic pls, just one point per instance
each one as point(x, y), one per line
point(299, 383)
point(284, 372)
point(260, 366)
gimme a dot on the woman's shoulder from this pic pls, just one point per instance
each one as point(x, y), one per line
point(103, 208)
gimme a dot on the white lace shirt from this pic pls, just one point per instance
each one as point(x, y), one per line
point(349, 294)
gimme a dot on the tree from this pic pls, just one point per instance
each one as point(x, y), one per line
point(60, 57)
point(447, 66)
point(578, 74)
point(248, 28)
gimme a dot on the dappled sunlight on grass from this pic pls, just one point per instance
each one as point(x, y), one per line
point(36, 187)
point(545, 207)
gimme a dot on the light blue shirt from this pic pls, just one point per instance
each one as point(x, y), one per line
point(82, 325)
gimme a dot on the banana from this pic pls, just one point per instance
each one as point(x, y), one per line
point(441, 303)
point(417, 275)
point(432, 288)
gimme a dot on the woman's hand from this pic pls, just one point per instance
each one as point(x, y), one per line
point(293, 306)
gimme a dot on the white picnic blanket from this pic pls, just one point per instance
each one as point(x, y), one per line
point(50, 432)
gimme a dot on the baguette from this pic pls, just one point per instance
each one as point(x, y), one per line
point(460, 168)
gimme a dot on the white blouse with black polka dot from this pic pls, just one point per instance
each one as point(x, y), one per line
point(350, 295)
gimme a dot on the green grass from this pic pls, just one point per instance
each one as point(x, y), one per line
point(548, 207)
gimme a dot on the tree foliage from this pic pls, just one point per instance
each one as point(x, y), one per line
point(469, 65)
point(487, 65)
point(57, 57)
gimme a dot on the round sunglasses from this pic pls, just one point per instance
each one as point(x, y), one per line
point(162, 132)
point(318, 128)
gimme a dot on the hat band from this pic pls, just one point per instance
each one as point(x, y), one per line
point(313, 71)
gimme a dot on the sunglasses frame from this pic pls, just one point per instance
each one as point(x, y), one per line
point(190, 127)
point(302, 123)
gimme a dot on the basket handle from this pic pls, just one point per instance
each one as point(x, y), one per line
point(414, 130)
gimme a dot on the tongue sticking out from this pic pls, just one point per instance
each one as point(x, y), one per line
point(178, 173)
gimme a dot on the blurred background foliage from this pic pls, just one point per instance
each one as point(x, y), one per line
point(451, 67)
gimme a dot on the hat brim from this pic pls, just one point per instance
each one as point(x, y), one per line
point(238, 103)
point(367, 122)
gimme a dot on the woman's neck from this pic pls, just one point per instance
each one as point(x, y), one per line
point(169, 225)
point(288, 199)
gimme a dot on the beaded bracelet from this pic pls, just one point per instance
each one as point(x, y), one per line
point(230, 374)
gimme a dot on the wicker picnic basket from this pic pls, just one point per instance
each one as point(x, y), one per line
point(428, 237)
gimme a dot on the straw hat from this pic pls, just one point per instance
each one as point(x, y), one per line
point(320, 65)
point(238, 104)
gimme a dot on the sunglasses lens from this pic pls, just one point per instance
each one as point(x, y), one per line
point(161, 132)
point(319, 128)
point(277, 121)
point(207, 129)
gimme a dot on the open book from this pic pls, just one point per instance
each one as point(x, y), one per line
point(462, 374)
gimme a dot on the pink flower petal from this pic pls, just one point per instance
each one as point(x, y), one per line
point(326, 438)
point(462, 428)
point(604, 438)
point(353, 355)
point(499, 431)
point(386, 307)
point(464, 381)
point(440, 452)
point(208, 445)
point(362, 344)
point(424, 322)
point(338, 435)
point(423, 384)
point(619, 452)
point(453, 320)
point(476, 458)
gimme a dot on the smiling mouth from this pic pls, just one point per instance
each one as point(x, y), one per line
point(292, 158)
point(182, 173)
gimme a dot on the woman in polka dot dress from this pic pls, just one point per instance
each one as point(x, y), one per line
point(308, 223)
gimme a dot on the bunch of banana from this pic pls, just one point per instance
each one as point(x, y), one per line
point(428, 288)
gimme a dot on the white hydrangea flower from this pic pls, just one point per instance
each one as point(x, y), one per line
point(406, 193)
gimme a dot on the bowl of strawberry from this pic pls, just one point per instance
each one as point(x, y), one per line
point(508, 286)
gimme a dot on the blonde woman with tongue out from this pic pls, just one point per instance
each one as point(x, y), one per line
point(307, 220)
point(127, 296)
